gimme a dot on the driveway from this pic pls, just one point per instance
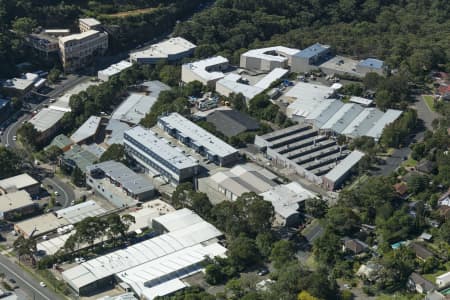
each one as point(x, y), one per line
point(393, 162)
point(425, 113)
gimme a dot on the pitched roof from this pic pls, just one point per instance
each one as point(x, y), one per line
point(401, 188)
point(419, 280)
point(232, 122)
point(355, 245)
point(421, 251)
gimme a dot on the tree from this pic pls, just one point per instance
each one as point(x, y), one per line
point(53, 75)
point(25, 247)
point(10, 163)
point(16, 103)
point(52, 153)
point(114, 152)
point(214, 275)
point(24, 26)
point(78, 177)
point(243, 252)
point(282, 253)
point(326, 248)
point(304, 295)
point(170, 75)
point(255, 211)
point(27, 134)
point(316, 207)
point(342, 220)
point(264, 241)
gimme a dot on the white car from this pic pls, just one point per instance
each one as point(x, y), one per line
point(14, 138)
point(42, 284)
point(56, 193)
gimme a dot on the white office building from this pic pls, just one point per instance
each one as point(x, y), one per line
point(207, 71)
point(158, 156)
point(114, 69)
point(267, 59)
point(173, 49)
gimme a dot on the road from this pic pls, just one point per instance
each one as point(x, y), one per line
point(424, 113)
point(65, 191)
point(25, 281)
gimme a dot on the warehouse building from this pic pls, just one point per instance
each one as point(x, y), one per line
point(370, 65)
point(78, 157)
point(118, 184)
point(338, 174)
point(46, 122)
point(175, 220)
point(15, 204)
point(286, 200)
point(22, 182)
point(158, 156)
point(207, 71)
point(87, 131)
point(197, 138)
point(267, 59)
point(174, 49)
point(115, 131)
point(76, 213)
point(303, 149)
point(60, 141)
point(310, 58)
point(232, 122)
point(134, 108)
point(39, 226)
point(153, 267)
point(230, 184)
point(112, 70)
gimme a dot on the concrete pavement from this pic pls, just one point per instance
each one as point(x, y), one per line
point(65, 191)
point(25, 281)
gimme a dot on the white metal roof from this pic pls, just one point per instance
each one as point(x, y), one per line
point(87, 130)
point(163, 50)
point(138, 254)
point(78, 36)
point(267, 80)
point(18, 182)
point(161, 146)
point(344, 166)
point(178, 219)
point(76, 213)
point(21, 83)
point(286, 198)
point(361, 100)
point(230, 83)
point(41, 224)
point(115, 68)
point(90, 21)
point(363, 122)
point(306, 91)
point(46, 119)
point(342, 118)
point(276, 53)
point(134, 108)
point(198, 135)
point(201, 67)
point(387, 118)
point(15, 200)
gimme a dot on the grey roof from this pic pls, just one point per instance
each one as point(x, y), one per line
point(371, 63)
point(81, 157)
point(87, 129)
point(419, 280)
point(312, 50)
point(116, 129)
point(344, 166)
point(129, 180)
point(60, 141)
point(232, 122)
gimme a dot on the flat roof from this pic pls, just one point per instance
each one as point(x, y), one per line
point(117, 129)
point(87, 129)
point(14, 200)
point(201, 67)
point(387, 118)
point(18, 182)
point(232, 122)
point(341, 64)
point(46, 119)
point(303, 90)
point(150, 279)
point(371, 63)
point(245, 178)
point(362, 123)
point(41, 224)
point(344, 166)
point(128, 180)
point(198, 135)
point(76, 213)
point(115, 68)
point(178, 219)
point(229, 82)
point(81, 157)
point(170, 153)
point(137, 105)
point(145, 214)
point(286, 198)
point(312, 50)
point(139, 254)
point(90, 21)
point(273, 76)
point(276, 53)
point(21, 83)
point(361, 100)
point(163, 50)
point(343, 117)
point(78, 36)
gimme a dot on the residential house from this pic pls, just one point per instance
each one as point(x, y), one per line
point(421, 252)
point(416, 283)
point(354, 246)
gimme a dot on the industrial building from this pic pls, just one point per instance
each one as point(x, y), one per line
point(153, 267)
point(267, 59)
point(286, 200)
point(303, 149)
point(86, 24)
point(118, 184)
point(78, 157)
point(232, 122)
point(230, 184)
point(203, 142)
point(114, 132)
point(23, 86)
point(233, 83)
point(174, 49)
point(207, 71)
point(22, 182)
point(39, 226)
point(158, 156)
point(370, 65)
point(14, 204)
point(46, 122)
point(338, 174)
point(310, 58)
point(134, 108)
point(87, 131)
point(77, 213)
point(78, 50)
point(317, 106)
point(112, 70)
point(175, 220)
point(60, 141)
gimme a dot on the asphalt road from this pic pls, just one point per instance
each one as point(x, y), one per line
point(25, 281)
point(65, 191)
point(424, 113)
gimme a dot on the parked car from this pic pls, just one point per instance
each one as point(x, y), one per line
point(263, 272)
point(42, 284)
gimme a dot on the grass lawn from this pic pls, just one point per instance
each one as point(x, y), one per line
point(429, 100)
point(311, 262)
point(409, 163)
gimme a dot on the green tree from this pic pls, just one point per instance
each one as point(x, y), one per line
point(24, 26)
point(114, 152)
point(10, 163)
point(27, 134)
point(316, 207)
point(243, 252)
point(25, 247)
point(52, 153)
point(214, 275)
point(282, 253)
point(78, 177)
point(53, 75)
point(264, 242)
